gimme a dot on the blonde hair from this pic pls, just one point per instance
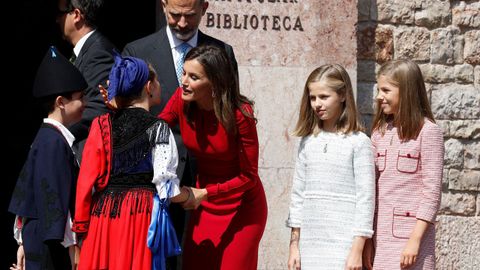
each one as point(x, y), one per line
point(336, 78)
point(413, 104)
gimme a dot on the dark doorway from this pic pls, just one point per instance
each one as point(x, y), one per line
point(25, 41)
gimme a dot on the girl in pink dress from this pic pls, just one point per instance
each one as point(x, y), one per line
point(409, 165)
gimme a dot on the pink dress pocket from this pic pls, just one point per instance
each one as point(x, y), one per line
point(381, 159)
point(407, 161)
point(403, 222)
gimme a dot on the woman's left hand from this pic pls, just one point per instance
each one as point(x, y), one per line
point(354, 260)
point(194, 201)
point(409, 253)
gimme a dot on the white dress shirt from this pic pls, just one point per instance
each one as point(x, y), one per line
point(175, 44)
point(79, 45)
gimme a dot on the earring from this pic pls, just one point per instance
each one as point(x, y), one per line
point(213, 94)
point(151, 96)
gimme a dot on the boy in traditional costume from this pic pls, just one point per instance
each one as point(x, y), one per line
point(44, 196)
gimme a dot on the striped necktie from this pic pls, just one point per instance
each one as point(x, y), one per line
point(73, 58)
point(182, 49)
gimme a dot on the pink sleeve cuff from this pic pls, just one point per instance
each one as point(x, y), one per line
point(427, 213)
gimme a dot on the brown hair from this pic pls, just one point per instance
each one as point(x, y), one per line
point(92, 10)
point(47, 103)
point(336, 78)
point(123, 102)
point(413, 101)
point(225, 87)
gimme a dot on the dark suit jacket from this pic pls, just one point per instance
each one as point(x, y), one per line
point(156, 50)
point(94, 62)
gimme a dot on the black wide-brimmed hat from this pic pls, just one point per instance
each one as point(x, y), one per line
point(56, 76)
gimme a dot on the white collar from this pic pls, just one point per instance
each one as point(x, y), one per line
point(175, 42)
point(65, 132)
point(79, 45)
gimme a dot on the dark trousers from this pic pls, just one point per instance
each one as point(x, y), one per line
point(42, 255)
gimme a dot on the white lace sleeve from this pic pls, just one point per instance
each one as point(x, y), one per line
point(297, 195)
point(17, 229)
point(69, 237)
point(165, 161)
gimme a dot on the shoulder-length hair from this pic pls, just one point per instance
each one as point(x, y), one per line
point(336, 78)
point(225, 93)
point(413, 104)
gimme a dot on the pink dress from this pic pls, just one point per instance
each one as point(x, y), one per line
point(409, 178)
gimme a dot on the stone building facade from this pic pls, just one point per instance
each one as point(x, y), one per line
point(279, 42)
point(443, 37)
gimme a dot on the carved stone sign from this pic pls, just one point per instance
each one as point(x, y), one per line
point(285, 32)
point(255, 21)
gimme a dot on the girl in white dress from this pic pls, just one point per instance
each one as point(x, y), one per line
point(333, 193)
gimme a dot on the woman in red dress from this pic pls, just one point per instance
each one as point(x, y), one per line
point(218, 127)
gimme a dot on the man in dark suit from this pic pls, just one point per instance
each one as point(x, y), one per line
point(163, 50)
point(92, 55)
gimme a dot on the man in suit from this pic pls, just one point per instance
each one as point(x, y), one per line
point(92, 55)
point(163, 50)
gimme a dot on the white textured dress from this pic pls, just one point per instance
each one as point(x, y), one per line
point(333, 197)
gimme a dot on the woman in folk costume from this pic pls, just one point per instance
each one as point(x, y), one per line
point(124, 151)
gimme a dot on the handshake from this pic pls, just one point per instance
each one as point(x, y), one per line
point(190, 197)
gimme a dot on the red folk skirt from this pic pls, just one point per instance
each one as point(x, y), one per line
point(117, 234)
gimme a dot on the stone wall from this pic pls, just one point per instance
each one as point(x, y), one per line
point(277, 44)
point(443, 37)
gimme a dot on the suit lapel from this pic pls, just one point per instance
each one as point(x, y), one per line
point(162, 60)
point(201, 38)
point(88, 43)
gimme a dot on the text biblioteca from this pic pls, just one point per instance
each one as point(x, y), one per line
point(253, 22)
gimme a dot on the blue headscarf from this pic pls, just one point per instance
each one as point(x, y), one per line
point(127, 76)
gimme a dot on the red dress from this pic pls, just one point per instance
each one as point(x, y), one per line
point(225, 231)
